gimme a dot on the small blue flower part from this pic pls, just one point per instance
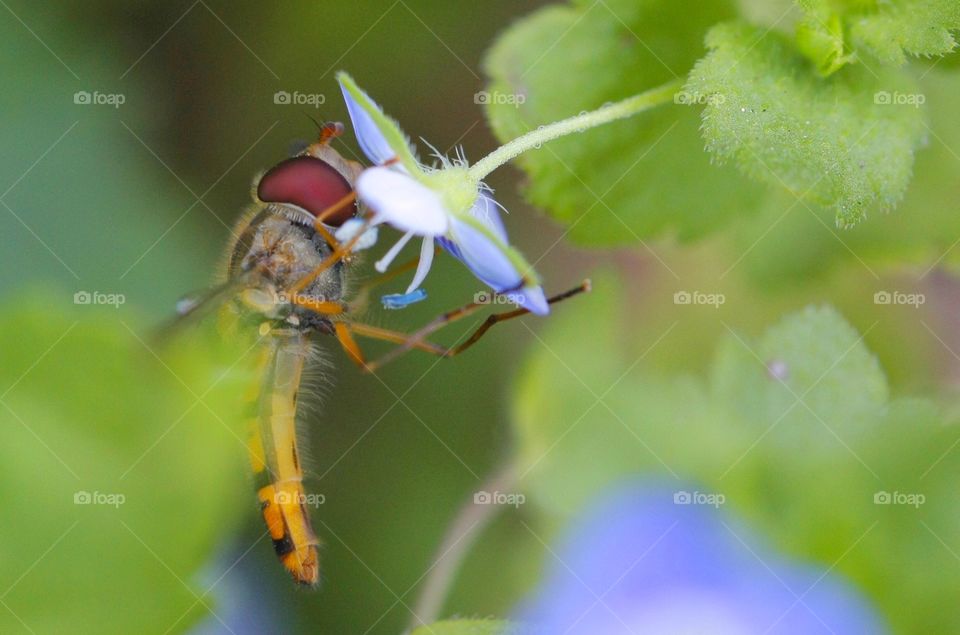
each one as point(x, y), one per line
point(441, 204)
point(646, 559)
point(481, 255)
point(403, 300)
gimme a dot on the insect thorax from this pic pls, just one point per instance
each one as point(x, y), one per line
point(278, 252)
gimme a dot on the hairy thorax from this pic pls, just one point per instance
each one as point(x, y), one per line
point(276, 253)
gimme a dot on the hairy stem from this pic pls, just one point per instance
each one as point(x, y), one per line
point(605, 114)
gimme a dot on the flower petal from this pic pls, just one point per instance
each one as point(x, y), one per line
point(346, 232)
point(531, 298)
point(401, 201)
point(485, 211)
point(487, 260)
point(484, 257)
point(379, 136)
point(372, 141)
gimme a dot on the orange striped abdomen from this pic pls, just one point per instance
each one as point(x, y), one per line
point(275, 458)
point(287, 520)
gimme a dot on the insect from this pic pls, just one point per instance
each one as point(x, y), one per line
point(286, 276)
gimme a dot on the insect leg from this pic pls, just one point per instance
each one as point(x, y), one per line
point(321, 229)
point(417, 339)
point(339, 252)
point(345, 332)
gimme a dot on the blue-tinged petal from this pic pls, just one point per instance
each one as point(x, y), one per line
point(401, 201)
point(379, 136)
point(531, 298)
point(484, 257)
point(372, 141)
point(485, 211)
point(488, 261)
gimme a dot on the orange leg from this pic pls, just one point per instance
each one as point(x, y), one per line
point(345, 332)
point(321, 229)
point(338, 254)
point(417, 340)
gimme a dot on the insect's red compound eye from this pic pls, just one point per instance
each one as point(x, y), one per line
point(307, 182)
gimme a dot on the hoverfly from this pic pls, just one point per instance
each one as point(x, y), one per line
point(286, 276)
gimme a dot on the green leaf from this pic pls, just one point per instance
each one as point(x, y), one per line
point(118, 483)
point(796, 429)
point(627, 180)
point(898, 28)
point(836, 141)
point(887, 31)
point(820, 37)
point(825, 374)
point(470, 627)
point(921, 231)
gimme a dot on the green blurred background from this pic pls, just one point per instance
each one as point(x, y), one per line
point(138, 199)
point(105, 199)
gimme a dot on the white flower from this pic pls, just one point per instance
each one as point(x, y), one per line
point(445, 204)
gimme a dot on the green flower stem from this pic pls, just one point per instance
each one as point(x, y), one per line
point(605, 114)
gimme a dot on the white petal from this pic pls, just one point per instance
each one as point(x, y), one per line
point(402, 201)
point(426, 259)
point(349, 229)
point(372, 141)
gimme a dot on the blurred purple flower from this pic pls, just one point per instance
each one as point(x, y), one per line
point(638, 563)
